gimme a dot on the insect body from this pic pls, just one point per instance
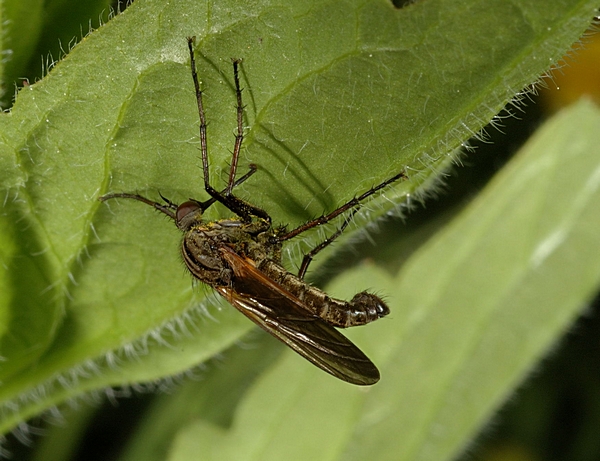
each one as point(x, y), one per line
point(240, 258)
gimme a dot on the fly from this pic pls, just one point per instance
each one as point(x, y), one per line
point(240, 257)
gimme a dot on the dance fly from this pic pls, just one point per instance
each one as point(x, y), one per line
point(240, 257)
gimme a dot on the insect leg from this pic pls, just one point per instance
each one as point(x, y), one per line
point(345, 207)
point(238, 206)
point(166, 209)
point(308, 257)
point(239, 137)
point(203, 148)
point(169, 205)
point(204, 205)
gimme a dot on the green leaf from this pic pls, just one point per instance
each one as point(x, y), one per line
point(339, 96)
point(518, 265)
point(20, 25)
point(35, 34)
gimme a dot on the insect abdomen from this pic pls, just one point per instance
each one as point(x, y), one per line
point(362, 309)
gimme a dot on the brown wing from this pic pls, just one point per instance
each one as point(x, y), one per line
point(277, 311)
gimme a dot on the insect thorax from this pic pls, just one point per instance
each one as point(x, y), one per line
point(255, 241)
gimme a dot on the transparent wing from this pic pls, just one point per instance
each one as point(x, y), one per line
point(281, 314)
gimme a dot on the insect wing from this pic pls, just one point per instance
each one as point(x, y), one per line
point(281, 314)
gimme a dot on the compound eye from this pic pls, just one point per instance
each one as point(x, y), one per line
point(187, 214)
